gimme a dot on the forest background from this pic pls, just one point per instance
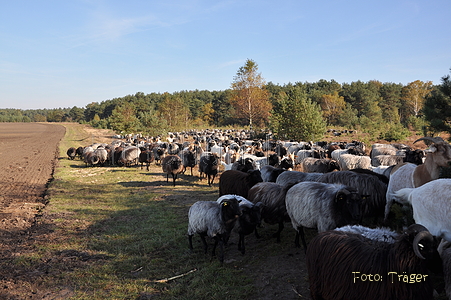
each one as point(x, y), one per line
point(300, 111)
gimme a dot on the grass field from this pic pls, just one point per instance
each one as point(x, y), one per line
point(122, 231)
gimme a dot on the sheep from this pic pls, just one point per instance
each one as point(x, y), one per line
point(386, 160)
point(147, 157)
point(444, 249)
point(79, 152)
point(351, 161)
point(345, 265)
point(292, 177)
point(237, 182)
point(71, 153)
point(188, 160)
point(172, 164)
point(102, 154)
point(208, 165)
point(303, 153)
point(323, 206)
point(431, 204)
point(319, 165)
point(129, 155)
point(213, 219)
point(272, 197)
point(368, 185)
point(244, 164)
point(410, 175)
point(249, 219)
point(270, 173)
point(381, 234)
point(90, 158)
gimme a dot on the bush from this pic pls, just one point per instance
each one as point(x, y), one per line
point(395, 132)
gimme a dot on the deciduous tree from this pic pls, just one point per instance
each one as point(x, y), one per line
point(249, 96)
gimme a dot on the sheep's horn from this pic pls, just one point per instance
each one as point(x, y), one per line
point(416, 242)
point(426, 138)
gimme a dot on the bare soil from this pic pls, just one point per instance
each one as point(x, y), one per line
point(29, 154)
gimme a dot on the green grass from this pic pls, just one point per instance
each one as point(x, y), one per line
point(124, 230)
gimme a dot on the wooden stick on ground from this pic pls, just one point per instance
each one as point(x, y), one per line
point(175, 277)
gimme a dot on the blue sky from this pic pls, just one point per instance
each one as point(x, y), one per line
point(71, 53)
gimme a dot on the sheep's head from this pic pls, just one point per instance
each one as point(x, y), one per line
point(424, 244)
point(439, 151)
point(349, 203)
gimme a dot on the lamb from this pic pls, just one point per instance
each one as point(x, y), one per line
point(237, 182)
point(324, 206)
point(319, 165)
point(249, 219)
point(71, 153)
point(208, 165)
point(272, 197)
point(410, 175)
point(431, 204)
point(349, 266)
point(213, 219)
point(172, 164)
point(369, 186)
point(292, 177)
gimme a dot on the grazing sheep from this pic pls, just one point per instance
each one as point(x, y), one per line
point(213, 219)
point(272, 197)
point(172, 164)
point(208, 165)
point(71, 153)
point(79, 152)
point(410, 175)
point(293, 177)
point(102, 154)
point(323, 206)
point(319, 165)
point(270, 173)
point(349, 266)
point(249, 219)
point(431, 204)
point(91, 159)
point(368, 185)
point(237, 182)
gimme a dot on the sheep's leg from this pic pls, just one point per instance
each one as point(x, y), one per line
point(301, 231)
point(167, 177)
point(190, 242)
point(256, 234)
point(174, 177)
point(241, 244)
point(277, 234)
point(202, 237)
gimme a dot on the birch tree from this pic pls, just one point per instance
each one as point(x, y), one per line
point(249, 95)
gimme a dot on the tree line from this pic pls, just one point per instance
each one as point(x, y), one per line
point(299, 111)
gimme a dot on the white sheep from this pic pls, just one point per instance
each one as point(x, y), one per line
point(213, 219)
point(350, 161)
point(410, 175)
point(431, 204)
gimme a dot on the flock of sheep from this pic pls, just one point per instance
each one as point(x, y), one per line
point(335, 187)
